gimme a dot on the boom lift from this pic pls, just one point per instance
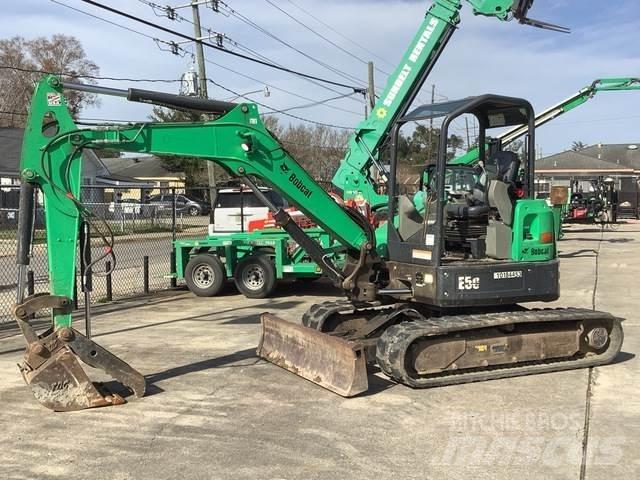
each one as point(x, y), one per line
point(617, 84)
point(426, 315)
point(441, 21)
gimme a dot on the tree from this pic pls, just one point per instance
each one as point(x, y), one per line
point(318, 148)
point(62, 54)
point(193, 169)
point(577, 146)
point(421, 147)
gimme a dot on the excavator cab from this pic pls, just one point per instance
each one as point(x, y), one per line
point(473, 222)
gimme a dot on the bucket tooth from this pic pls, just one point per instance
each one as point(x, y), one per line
point(331, 362)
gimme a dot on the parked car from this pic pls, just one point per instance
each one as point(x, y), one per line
point(184, 204)
point(236, 207)
point(127, 206)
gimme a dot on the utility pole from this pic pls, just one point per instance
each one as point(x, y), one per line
point(433, 100)
point(466, 122)
point(371, 92)
point(202, 80)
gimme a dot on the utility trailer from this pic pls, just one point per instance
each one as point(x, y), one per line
point(244, 244)
point(256, 261)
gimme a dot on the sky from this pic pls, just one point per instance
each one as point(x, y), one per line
point(484, 56)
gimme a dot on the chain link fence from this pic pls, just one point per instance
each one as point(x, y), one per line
point(144, 222)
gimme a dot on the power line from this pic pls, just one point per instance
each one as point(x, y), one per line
point(353, 42)
point(314, 104)
point(274, 87)
point(275, 111)
point(224, 88)
point(173, 15)
point(266, 32)
point(215, 47)
point(91, 77)
point(299, 22)
point(110, 22)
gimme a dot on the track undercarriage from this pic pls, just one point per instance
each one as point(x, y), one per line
point(424, 349)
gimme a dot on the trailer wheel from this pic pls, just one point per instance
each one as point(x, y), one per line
point(205, 275)
point(255, 276)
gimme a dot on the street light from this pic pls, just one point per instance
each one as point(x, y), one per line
point(265, 91)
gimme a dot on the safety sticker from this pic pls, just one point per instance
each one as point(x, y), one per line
point(54, 99)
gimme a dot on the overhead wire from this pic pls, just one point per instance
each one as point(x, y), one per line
point(272, 86)
point(110, 22)
point(176, 16)
point(91, 77)
point(266, 32)
point(327, 40)
point(350, 40)
point(220, 49)
point(275, 111)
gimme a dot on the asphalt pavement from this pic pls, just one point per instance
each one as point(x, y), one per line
point(214, 411)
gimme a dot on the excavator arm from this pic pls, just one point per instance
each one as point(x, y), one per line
point(621, 84)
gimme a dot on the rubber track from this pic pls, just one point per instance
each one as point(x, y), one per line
point(396, 340)
point(318, 313)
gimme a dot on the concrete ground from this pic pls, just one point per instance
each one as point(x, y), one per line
point(216, 412)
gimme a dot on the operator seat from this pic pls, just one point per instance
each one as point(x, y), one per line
point(503, 166)
point(502, 169)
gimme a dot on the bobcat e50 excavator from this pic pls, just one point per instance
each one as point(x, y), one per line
point(425, 314)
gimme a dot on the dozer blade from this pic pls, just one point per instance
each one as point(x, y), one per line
point(53, 370)
point(331, 362)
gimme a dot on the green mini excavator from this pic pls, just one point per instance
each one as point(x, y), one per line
point(421, 309)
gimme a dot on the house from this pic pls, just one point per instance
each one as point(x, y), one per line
point(95, 172)
point(11, 148)
point(147, 169)
point(618, 162)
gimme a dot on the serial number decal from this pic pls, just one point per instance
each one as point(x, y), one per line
point(507, 275)
point(540, 251)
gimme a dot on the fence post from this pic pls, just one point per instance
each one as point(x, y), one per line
point(31, 288)
point(107, 268)
point(173, 212)
point(174, 280)
point(31, 284)
point(145, 274)
point(75, 293)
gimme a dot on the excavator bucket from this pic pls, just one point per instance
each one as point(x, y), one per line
point(52, 364)
point(329, 361)
point(62, 385)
